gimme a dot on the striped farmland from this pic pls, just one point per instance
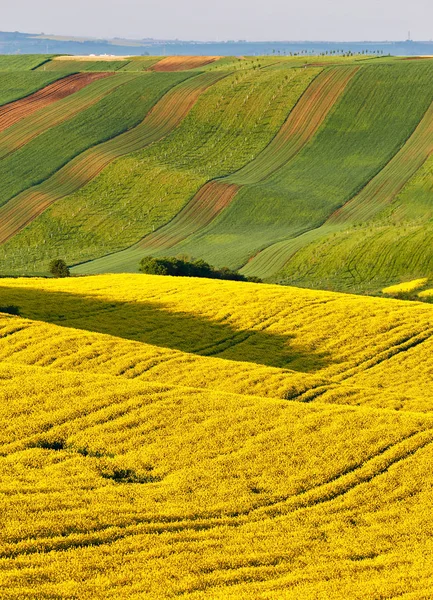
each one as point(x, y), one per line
point(183, 63)
point(373, 198)
point(15, 111)
point(215, 196)
point(29, 127)
point(358, 139)
point(163, 118)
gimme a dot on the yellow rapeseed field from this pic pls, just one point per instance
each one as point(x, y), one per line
point(173, 437)
point(407, 286)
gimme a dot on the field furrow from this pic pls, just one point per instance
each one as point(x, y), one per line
point(374, 198)
point(183, 63)
point(212, 198)
point(381, 190)
point(31, 126)
point(301, 124)
point(14, 112)
point(163, 118)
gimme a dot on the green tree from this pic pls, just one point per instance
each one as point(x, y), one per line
point(58, 268)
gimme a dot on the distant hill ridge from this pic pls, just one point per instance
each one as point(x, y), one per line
point(17, 42)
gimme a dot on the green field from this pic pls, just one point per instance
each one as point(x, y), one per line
point(25, 62)
point(19, 84)
point(288, 169)
point(244, 102)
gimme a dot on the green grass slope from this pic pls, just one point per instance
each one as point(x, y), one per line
point(392, 247)
point(164, 117)
point(231, 122)
point(373, 119)
point(346, 208)
point(40, 158)
point(29, 127)
point(19, 84)
point(24, 62)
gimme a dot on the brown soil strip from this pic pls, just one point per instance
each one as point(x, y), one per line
point(209, 201)
point(161, 119)
point(15, 111)
point(183, 63)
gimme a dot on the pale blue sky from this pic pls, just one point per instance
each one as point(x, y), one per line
point(224, 19)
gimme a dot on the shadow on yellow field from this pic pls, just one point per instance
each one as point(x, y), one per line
point(159, 325)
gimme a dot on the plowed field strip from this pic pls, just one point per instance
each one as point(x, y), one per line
point(211, 199)
point(183, 63)
point(162, 119)
point(302, 123)
point(15, 111)
point(28, 128)
point(374, 197)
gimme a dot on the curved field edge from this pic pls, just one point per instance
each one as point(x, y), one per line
point(265, 340)
point(248, 107)
point(13, 112)
point(215, 196)
point(164, 116)
point(17, 85)
point(33, 125)
point(23, 62)
point(373, 198)
point(326, 173)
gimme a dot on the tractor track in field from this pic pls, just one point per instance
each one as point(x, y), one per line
point(334, 488)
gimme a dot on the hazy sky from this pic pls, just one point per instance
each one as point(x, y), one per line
point(224, 19)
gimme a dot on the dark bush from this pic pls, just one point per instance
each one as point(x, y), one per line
point(178, 267)
point(58, 268)
point(10, 310)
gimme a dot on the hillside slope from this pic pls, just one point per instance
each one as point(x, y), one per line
point(289, 168)
point(217, 439)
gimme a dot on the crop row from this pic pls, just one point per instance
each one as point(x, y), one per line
point(31, 126)
point(298, 129)
point(368, 126)
point(165, 115)
point(262, 340)
point(192, 471)
point(373, 199)
point(24, 62)
point(183, 63)
point(44, 155)
point(231, 125)
point(13, 112)
point(134, 64)
point(141, 471)
point(19, 84)
point(228, 126)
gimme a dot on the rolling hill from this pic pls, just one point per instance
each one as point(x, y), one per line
point(215, 439)
point(166, 437)
point(297, 170)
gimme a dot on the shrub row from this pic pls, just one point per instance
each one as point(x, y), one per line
point(183, 268)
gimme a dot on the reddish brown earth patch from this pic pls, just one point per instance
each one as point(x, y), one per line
point(15, 111)
point(183, 63)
